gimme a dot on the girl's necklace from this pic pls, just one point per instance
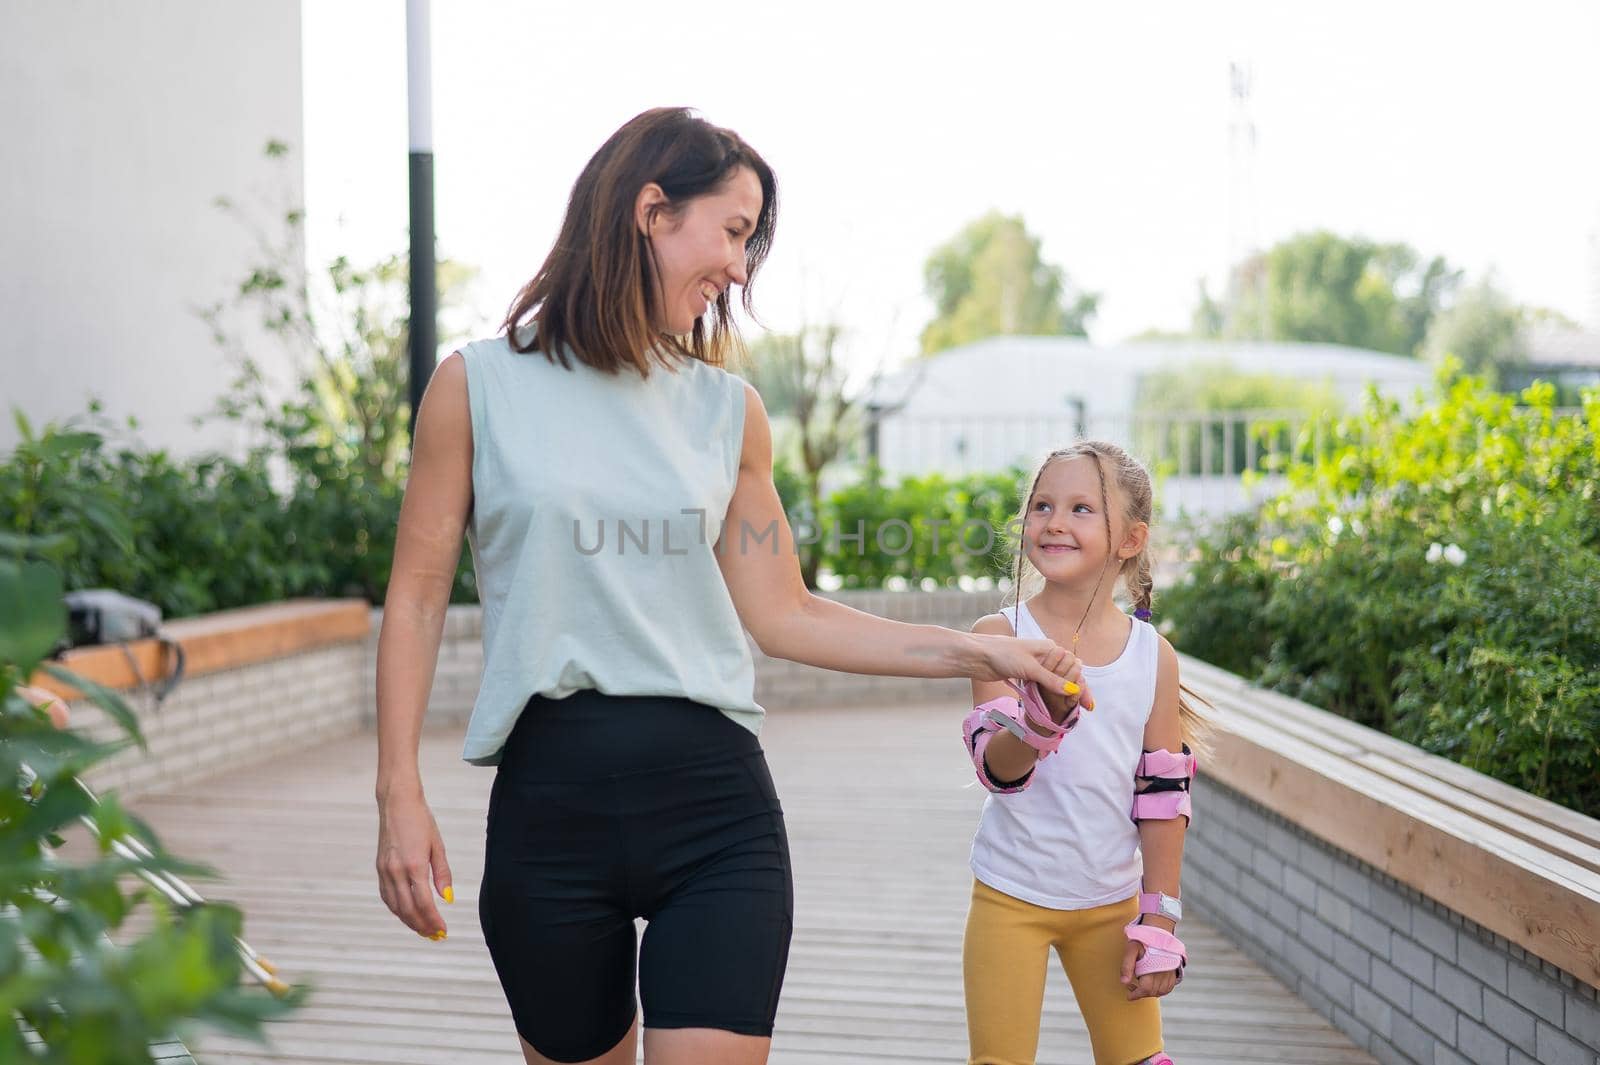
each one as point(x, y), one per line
point(1078, 632)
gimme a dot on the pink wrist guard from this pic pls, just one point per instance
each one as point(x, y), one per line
point(1163, 951)
point(1016, 716)
point(1156, 904)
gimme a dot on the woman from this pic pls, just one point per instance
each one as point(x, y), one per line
point(615, 485)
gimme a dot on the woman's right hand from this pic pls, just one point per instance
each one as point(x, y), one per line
point(47, 701)
point(1052, 667)
point(411, 863)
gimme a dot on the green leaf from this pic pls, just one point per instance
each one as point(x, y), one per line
point(27, 544)
point(35, 618)
point(105, 698)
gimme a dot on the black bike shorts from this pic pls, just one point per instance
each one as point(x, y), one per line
point(610, 808)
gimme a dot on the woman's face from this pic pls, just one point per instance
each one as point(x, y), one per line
point(700, 250)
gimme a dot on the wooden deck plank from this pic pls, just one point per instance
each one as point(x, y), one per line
point(881, 893)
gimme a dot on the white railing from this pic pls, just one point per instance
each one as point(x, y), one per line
point(1198, 458)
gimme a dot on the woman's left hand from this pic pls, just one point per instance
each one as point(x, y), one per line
point(1150, 985)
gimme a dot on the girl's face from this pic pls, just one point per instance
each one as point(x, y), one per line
point(1065, 530)
point(699, 250)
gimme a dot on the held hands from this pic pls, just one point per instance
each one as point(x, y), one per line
point(411, 863)
point(1150, 985)
point(1056, 671)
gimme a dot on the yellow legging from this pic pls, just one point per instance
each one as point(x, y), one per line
point(1004, 958)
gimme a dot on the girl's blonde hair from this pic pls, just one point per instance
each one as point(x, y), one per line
point(1136, 493)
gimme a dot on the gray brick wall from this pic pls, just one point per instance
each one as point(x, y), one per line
point(222, 720)
point(1411, 981)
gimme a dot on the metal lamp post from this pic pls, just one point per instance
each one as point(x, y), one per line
point(424, 296)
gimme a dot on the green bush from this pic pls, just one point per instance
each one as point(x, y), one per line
point(61, 979)
point(1435, 574)
point(921, 528)
point(207, 533)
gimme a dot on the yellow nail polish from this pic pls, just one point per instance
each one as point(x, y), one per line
point(449, 894)
point(1071, 688)
point(439, 935)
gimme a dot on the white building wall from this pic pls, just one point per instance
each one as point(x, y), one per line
point(122, 123)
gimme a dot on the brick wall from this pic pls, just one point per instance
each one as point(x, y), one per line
point(233, 717)
point(1406, 978)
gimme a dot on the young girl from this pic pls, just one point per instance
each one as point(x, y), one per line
point(1081, 839)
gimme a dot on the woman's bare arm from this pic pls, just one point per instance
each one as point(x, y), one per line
point(427, 549)
point(433, 519)
point(758, 560)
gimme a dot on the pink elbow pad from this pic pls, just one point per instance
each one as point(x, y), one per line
point(1167, 765)
point(1162, 806)
point(1162, 780)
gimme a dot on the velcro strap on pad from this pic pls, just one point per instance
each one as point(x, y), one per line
point(1166, 764)
point(1015, 715)
point(1163, 951)
point(1162, 806)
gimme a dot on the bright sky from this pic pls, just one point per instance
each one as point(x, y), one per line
point(1464, 130)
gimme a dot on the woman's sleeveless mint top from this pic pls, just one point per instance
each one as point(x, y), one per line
point(597, 503)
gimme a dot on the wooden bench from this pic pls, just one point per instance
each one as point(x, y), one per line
point(1521, 867)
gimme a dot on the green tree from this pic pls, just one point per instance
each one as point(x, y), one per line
point(1482, 329)
point(349, 327)
point(1219, 386)
point(1322, 287)
point(1210, 317)
point(805, 387)
point(343, 427)
point(990, 280)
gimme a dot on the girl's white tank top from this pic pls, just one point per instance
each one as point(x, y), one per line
point(1068, 841)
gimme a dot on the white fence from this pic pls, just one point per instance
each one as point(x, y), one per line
point(1199, 459)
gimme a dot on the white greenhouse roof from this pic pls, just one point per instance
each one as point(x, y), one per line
point(1018, 374)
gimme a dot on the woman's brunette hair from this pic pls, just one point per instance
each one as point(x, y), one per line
point(596, 295)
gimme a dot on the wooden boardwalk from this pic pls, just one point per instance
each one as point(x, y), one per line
point(881, 890)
